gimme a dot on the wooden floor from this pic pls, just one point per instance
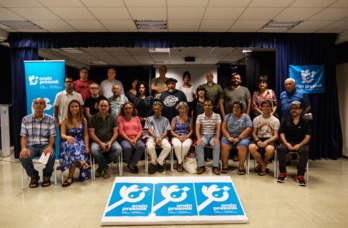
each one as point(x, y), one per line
point(322, 203)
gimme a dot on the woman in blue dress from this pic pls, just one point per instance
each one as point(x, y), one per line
point(74, 143)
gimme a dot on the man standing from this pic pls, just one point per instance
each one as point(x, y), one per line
point(103, 131)
point(213, 91)
point(295, 133)
point(292, 94)
point(91, 103)
point(158, 85)
point(117, 100)
point(265, 135)
point(170, 99)
point(63, 98)
point(236, 92)
point(107, 84)
point(38, 133)
point(208, 131)
point(158, 127)
point(82, 85)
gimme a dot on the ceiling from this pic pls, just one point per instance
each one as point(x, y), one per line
point(316, 16)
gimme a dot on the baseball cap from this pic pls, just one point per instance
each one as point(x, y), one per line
point(171, 80)
point(296, 103)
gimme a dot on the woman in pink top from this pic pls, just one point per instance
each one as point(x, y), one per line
point(130, 130)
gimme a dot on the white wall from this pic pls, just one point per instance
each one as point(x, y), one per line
point(197, 74)
point(342, 88)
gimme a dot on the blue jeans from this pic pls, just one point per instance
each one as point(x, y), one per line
point(103, 159)
point(208, 139)
point(132, 156)
point(27, 163)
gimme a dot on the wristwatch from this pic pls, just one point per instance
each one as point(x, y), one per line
point(238, 138)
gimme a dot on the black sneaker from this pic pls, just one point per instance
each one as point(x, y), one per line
point(152, 169)
point(301, 181)
point(281, 177)
point(160, 168)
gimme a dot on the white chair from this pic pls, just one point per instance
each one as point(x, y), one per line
point(119, 163)
point(276, 164)
point(275, 160)
point(36, 161)
point(247, 161)
point(171, 157)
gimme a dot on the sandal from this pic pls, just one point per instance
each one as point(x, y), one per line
point(85, 166)
point(224, 170)
point(241, 171)
point(34, 182)
point(258, 168)
point(66, 183)
point(46, 182)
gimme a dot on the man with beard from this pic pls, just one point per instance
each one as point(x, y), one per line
point(92, 102)
point(234, 93)
point(295, 133)
point(170, 99)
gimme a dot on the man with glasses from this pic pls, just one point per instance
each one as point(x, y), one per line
point(295, 134)
point(63, 98)
point(91, 103)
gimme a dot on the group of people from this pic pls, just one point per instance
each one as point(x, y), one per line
point(101, 120)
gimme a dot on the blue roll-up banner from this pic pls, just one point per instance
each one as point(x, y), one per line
point(44, 79)
point(309, 78)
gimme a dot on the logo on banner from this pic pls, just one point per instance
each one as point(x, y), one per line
point(130, 200)
point(47, 80)
point(217, 199)
point(174, 199)
point(33, 80)
point(309, 78)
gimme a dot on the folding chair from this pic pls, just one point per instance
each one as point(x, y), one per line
point(276, 164)
point(171, 157)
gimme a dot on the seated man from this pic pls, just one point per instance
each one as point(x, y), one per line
point(38, 133)
point(208, 130)
point(265, 135)
point(157, 126)
point(103, 131)
point(295, 133)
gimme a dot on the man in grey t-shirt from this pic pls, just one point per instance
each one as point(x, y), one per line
point(236, 92)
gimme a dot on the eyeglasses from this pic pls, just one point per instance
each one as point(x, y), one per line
point(69, 81)
point(94, 88)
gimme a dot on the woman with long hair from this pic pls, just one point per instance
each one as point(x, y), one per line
point(130, 130)
point(182, 129)
point(74, 143)
point(143, 101)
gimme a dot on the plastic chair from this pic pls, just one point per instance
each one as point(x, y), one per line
point(171, 157)
point(247, 160)
point(118, 161)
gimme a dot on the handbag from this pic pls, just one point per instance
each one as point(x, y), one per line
point(190, 163)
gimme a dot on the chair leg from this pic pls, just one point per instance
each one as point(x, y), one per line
point(172, 159)
point(120, 164)
point(146, 161)
point(23, 176)
point(248, 162)
point(275, 167)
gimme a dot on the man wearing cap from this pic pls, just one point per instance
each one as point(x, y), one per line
point(295, 133)
point(292, 94)
point(170, 99)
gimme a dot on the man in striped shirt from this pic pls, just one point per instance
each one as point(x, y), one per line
point(38, 133)
point(208, 131)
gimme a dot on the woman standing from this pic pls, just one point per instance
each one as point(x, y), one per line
point(263, 94)
point(187, 88)
point(143, 102)
point(197, 106)
point(132, 93)
point(236, 130)
point(74, 143)
point(130, 130)
point(181, 131)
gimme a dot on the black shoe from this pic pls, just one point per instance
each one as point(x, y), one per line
point(152, 169)
point(160, 168)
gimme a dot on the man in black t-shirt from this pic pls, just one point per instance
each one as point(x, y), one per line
point(295, 133)
point(91, 103)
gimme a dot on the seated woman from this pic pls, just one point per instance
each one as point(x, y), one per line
point(143, 102)
point(236, 129)
point(263, 94)
point(181, 131)
point(130, 130)
point(74, 143)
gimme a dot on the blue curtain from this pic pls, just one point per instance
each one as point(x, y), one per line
point(18, 55)
point(297, 49)
point(326, 141)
